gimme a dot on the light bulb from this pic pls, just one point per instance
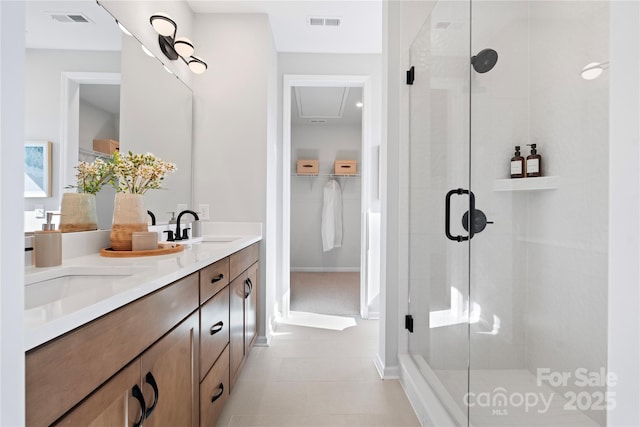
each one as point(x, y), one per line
point(183, 47)
point(163, 24)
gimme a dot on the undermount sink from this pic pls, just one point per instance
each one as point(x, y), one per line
point(45, 287)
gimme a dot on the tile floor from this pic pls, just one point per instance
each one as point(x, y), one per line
point(318, 371)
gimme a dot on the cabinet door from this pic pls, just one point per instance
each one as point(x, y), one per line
point(236, 326)
point(118, 402)
point(251, 307)
point(169, 377)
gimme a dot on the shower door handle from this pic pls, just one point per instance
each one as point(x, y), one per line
point(473, 225)
point(447, 214)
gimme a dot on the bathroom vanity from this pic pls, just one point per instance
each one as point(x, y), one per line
point(159, 340)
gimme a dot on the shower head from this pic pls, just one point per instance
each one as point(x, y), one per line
point(485, 60)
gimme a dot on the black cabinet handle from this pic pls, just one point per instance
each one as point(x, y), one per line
point(216, 328)
point(248, 283)
point(152, 382)
point(217, 278)
point(218, 394)
point(137, 393)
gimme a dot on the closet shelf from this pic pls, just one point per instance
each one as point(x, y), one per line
point(326, 175)
point(527, 184)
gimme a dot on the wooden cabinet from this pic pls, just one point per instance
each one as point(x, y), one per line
point(243, 303)
point(169, 377)
point(167, 359)
point(119, 402)
point(61, 373)
point(214, 390)
point(157, 388)
point(251, 308)
point(214, 329)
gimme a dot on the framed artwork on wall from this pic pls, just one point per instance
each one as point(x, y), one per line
point(37, 169)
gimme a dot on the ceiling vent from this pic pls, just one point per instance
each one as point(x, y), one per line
point(78, 18)
point(323, 21)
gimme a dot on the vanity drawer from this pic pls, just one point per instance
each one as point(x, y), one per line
point(214, 391)
point(243, 259)
point(213, 278)
point(63, 371)
point(214, 329)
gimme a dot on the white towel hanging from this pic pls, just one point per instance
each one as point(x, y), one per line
point(332, 216)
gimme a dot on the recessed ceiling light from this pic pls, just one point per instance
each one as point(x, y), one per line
point(359, 104)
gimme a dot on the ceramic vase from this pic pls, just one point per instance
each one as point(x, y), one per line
point(78, 212)
point(129, 216)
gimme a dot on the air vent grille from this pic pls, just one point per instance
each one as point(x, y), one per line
point(323, 21)
point(317, 121)
point(70, 18)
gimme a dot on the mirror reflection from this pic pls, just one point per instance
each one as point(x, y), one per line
point(85, 80)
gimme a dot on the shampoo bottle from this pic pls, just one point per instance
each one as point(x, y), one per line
point(48, 245)
point(534, 162)
point(517, 164)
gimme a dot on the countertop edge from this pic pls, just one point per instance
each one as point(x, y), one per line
point(35, 336)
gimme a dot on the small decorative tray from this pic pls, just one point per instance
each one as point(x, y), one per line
point(110, 253)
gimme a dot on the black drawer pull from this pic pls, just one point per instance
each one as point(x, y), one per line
point(218, 394)
point(216, 328)
point(248, 283)
point(137, 393)
point(152, 382)
point(217, 278)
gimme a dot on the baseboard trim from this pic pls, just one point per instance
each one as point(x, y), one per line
point(325, 269)
point(386, 372)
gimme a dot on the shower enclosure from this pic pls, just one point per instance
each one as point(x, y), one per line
point(508, 277)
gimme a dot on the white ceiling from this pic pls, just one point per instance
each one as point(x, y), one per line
point(335, 105)
point(360, 29)
point(43, 32)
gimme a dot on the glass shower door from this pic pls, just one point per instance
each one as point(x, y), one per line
point(439, 197)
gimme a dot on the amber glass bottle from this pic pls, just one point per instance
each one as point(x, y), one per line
point(534, 162)
point(517, 164)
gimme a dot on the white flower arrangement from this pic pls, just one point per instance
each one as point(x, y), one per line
point(137, 173)
point(92, 176)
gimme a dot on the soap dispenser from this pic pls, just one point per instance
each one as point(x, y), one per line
point(534, 162)
point(48, 244)
point(517, 164)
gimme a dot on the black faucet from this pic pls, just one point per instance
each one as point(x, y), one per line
point(153, 217)
point(184, 235)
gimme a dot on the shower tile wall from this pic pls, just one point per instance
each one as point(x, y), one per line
point(567, 232)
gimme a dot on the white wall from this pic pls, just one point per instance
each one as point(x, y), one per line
point(43, 105)
point(11, 218)
point(567, 229)
point(233, 122)
point(96, 123)
point(326, 143)
point(624, 230)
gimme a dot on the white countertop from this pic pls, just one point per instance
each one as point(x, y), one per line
point(96, 285)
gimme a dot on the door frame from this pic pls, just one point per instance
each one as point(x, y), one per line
point(294, 80)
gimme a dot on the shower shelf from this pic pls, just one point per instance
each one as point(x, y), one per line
point(527, 184)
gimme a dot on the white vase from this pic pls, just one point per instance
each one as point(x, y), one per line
point(129, 216)
point(78, 212)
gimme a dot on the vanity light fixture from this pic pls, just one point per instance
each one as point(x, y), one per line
point(593, 70)
point(123, 28)
point(175, 47)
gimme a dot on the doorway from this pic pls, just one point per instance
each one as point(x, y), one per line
point(368, 288)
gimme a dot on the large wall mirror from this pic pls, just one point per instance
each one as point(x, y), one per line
point(87, 80)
